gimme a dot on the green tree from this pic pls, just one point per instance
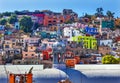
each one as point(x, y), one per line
point(1, 15)
point(68, 22)
point(36, 11)
point(16, 12)
point(12, 19)
point(87, 16)
point(7, 13)
point(36, 25)
point(118, 59)
point(3, 22)
point(99, 12)
point(110, 14)
point(26, 23)
point(109, 59)
point(17, 56)
point(7, 25)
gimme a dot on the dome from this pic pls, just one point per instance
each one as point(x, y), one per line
point(52, 73)
point(51, 76)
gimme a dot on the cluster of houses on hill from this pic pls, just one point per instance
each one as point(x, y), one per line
point(90, 42)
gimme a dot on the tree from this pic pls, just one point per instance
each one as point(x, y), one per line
point(36, 12)
point(1, 15)
point(68, 22)
point(16, 12)
point(99, 12)
point(12, 19)
point(7, 25)
point(3, 22)
point(118, 60)
point(109, 59)
point(7, 14)
point(35, 26)
point(17, 56)
point(26, 23)
point(110, 14)
point(87, 16)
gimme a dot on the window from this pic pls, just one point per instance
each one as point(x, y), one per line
point(107, 48)
point(32, 54)
point(13, 43)
point(13, 40)
point(49, 24)
point(12, 52)
point(61, 20)
point(6, 46)
point(49, 21)
point(32, 41)
point(7, 42)
point(54, 21)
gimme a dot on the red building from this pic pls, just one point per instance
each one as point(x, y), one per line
point(45, 55)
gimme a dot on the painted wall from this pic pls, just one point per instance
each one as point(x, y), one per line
point(89, 42)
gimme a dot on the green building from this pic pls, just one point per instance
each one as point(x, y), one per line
point(88, 42)
point(108, 24)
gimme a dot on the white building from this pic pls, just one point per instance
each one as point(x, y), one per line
point(106, 42)
point(67, 32)
point(70, 32)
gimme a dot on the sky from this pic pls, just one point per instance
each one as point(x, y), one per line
point(79, 6)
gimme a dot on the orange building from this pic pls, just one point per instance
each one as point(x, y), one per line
point(55, 19)
point(30, 53)
point(21, 78)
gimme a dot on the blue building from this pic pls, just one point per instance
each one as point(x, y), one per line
point(91, 31)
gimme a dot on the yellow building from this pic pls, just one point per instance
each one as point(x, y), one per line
point(88, 42)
